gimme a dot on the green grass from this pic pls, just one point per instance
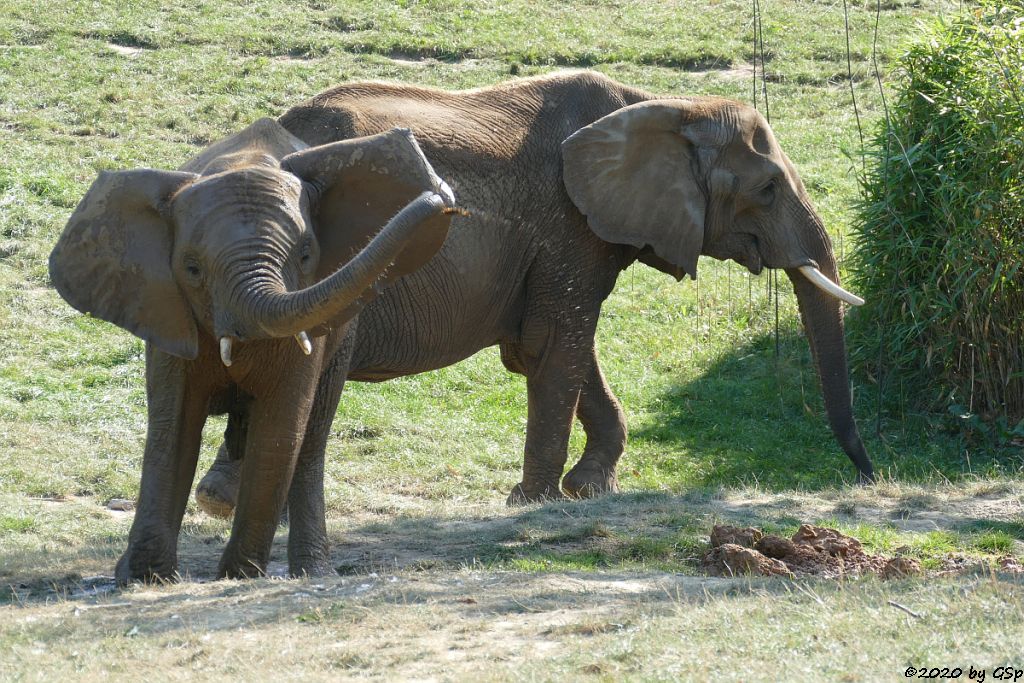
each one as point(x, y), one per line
point(722, 428)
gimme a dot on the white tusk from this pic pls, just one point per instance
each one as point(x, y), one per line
point(225, 351)
point(304, 343)
point(824, 284)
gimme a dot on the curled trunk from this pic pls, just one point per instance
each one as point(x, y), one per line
point(279, 313)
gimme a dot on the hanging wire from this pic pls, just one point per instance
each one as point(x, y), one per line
point(773, 277)
point(775, 287)
point(849, 78)
point(880, 371)
point(755, 24)
point(759, 49)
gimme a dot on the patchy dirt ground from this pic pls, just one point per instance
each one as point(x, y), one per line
point(440, 590)
point(73, 538)
point(441, 625)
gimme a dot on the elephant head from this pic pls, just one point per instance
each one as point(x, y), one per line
point(684, 177)
point(258, 237)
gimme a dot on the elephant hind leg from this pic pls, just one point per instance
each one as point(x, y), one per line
point(555, 356)
point(605, 425)
point(217, 491)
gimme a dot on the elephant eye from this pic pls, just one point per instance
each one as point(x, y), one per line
point(193, 270)
point(767, 193)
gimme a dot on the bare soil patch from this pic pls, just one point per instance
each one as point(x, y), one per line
point(129, 51)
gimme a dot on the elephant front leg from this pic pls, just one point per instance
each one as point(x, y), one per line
point(177, 406)
point(308, 549)
point(605, 425)
point(276, 425)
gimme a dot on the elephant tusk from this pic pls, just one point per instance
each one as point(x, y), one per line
point(819, 280)
point(225, 351)
point(304, 343)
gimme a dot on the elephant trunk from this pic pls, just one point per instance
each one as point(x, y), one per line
point(279, 313)
point(822, 316)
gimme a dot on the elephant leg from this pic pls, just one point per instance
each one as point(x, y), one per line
point(605, 425)
point(308, 549)
point(177, 409)
point(277, 422)
point(553, 381)
point(217, 491)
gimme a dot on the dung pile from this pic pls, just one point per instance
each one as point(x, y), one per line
point(812, 551)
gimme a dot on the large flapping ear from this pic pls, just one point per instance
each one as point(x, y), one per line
point(114, 259)
point(634, 174)
point(359, 184)
point(264, 137)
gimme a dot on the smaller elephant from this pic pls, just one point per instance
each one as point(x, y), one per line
point(242, 271)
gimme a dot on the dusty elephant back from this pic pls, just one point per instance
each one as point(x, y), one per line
point(468, 132)
point(498, 147)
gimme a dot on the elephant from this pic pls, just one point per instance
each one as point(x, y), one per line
point(569, 178)
point(218, 265)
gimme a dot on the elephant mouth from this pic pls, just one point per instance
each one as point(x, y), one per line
point(750, 256)
point(227, 344)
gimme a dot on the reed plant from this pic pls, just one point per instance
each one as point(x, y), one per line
point(940, 231)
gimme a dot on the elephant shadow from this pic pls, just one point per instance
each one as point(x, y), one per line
point(754, 416)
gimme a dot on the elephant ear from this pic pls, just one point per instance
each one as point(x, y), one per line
point(113, 260)
point(634, 175)
point(358, 185)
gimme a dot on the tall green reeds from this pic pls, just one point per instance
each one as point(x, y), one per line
point(940, 236)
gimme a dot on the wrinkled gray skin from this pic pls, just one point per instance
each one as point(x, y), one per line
point(569, 179)
point(254, 241)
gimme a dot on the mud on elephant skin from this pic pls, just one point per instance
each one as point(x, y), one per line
point(242, 271)
point(570, 178)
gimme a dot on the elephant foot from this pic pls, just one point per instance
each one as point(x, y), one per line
point(310, 568)
point(522, 494)
point(234, 566)
point(865, 478)
point(217, 492)
point(589, 479)
point(139, 565)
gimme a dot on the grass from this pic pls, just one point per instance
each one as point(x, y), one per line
point(723, 428)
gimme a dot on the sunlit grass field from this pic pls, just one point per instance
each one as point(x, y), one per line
point(725, 415)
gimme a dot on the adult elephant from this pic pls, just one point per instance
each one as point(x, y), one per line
point(217, 266)
point(569, 179)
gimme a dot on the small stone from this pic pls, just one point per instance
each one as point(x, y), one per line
point(121, 504)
